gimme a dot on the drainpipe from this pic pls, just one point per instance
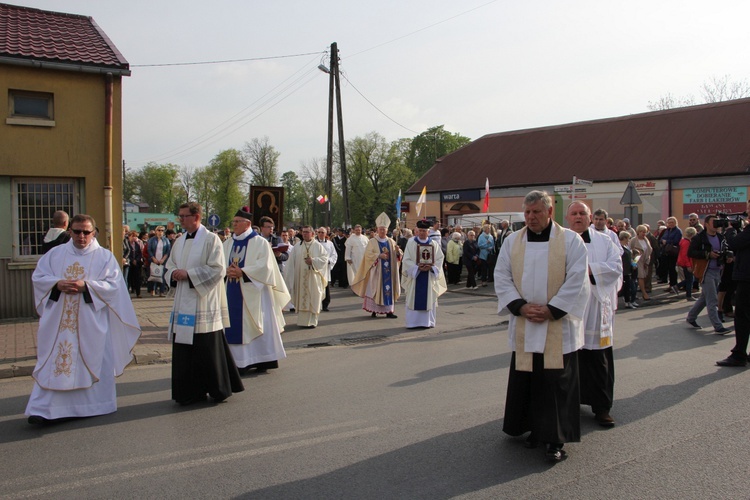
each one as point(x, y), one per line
point(108, 105)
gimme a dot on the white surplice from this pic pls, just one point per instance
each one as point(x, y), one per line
point(571, 297)
point(436, 287)
point(307, 283)
point(605, 265)
point(355, 251)
point(263, 297)
point(82, 345)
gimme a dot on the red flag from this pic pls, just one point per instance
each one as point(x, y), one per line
point(486, 195)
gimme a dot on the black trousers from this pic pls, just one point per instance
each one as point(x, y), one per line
point(327, 298)
point(545, 402)
point(741, 319)
point(597, 374)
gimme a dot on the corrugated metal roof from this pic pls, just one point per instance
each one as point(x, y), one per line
point(41, 35)
point(706, 140)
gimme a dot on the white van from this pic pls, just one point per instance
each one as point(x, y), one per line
point(468, 221)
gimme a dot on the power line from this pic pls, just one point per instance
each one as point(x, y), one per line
point(240, 115)
point(423, 29)
point(223, 61)
point(373, 105)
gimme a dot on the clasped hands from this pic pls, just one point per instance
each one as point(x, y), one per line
point(234, 271)
point(536, 313)
point(71, 286)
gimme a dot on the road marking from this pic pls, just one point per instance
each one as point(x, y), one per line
point(175, 466)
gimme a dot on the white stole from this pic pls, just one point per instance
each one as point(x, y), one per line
point(182, 321)
point(553, 356)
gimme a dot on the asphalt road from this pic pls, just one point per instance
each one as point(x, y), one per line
point(401, 415)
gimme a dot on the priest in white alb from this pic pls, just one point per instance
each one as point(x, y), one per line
point(377, 280)
point(596, 363)
point(422, 277)
point(541, 277)
point(355, 251)
point(202, 364)
point(306, 277)
point(256, 295)
point(87, 328)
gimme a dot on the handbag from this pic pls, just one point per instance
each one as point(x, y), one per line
point(699, 268)
point(156, 272)
point(671, 250)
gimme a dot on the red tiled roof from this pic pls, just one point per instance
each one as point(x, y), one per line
point(696, 141)
point(41, 35)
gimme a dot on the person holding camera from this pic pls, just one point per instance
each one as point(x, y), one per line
point(739, 243)
point(706, 251)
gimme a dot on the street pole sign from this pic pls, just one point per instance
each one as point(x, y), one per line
point(214, 220)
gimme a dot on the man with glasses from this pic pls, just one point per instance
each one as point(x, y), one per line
point(201, 361)
point(86, 331)
point(306, 278)
point(266, 230)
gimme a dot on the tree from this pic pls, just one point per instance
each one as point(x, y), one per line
point(261, 160)
point(719, 89)
point(295, 202)
point(669, 101)
point(314, 185)
point(376, 171)
point(227, 177)
point(186, 177)
point(430, 145)
point(154, 184)
point(716, 89)
point(203, 189)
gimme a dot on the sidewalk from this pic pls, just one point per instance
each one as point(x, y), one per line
point(18, 337)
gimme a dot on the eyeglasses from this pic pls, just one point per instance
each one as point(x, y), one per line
point(79, 231)
point(185, 216)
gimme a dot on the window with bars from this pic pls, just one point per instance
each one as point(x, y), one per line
point(34, 202)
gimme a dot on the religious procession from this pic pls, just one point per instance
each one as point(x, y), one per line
point(235, 291)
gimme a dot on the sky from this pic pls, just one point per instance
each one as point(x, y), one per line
point(476, 66)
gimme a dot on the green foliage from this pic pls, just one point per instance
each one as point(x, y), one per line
point(295, 201)
point(430, 145)
point(376, 171)
point(154, 184)
point(225, 183)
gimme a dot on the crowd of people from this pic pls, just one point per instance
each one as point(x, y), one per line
point(561, 287)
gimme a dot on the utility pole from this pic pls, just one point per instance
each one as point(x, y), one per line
point(334, 82)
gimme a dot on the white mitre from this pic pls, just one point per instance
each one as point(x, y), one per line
point(383, 221)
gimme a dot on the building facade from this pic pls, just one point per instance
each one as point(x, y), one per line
point(60, 138)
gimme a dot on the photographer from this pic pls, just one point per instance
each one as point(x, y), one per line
point(706, 251)
point(739, 243)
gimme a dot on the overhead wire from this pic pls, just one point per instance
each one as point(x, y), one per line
point(374, 106)
point(229, 122)
point(224, 61)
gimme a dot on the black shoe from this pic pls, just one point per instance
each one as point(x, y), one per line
point(198, 399)
point(531, 442)
point(291, 310)
point(604, 419)
point(722, 331)
point(37, 420)
point(730, 361)
point(374, 315)
point(693, 323)
point(325, 309)
point(391, 315)
point(555, 453)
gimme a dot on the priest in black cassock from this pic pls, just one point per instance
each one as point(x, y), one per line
point(541, 277)
point(202, 363)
